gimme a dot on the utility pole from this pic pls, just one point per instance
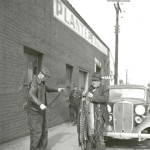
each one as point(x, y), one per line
point(118, 10)
point(126, 76)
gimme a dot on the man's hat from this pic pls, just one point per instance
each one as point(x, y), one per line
point(96, 76)
point(45, 71)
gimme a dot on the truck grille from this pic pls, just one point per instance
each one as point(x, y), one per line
point(123, 117)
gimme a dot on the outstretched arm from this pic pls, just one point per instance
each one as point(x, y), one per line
point(51, 89)
point(54, 90)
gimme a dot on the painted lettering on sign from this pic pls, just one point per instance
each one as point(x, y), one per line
point(63, 14)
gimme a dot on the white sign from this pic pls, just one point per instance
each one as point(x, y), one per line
point(118, 0)
point(63, 14)
point(110, 77)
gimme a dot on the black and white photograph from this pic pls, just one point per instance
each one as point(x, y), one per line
point(74, 75)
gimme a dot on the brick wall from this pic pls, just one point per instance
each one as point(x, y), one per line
point(31, 23)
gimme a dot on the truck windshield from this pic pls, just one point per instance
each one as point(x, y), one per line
point(127, 93)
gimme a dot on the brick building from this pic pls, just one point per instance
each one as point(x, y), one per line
point(34, 33)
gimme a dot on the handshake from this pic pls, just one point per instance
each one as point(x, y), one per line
point(61, 89)
point(88, 94)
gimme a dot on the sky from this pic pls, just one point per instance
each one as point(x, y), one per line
point(134, 41)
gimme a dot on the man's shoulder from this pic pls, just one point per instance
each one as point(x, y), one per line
point(34, 82)
point(104, 87)
point(71, 91)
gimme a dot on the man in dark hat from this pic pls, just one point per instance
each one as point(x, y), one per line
point(99, 96)
point(37, 105)
point(75, 99)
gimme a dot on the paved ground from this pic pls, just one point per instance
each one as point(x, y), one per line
point(63, 137)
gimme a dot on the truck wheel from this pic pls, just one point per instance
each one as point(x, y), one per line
point(147, 143)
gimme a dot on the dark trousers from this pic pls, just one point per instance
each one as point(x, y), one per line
point(38, 130)
point(74, 114)
point(99, 137)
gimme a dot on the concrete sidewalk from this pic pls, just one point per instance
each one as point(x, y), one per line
point(61, 137)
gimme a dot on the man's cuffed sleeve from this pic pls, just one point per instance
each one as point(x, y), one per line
point(32, 92)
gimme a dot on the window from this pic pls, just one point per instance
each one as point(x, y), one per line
point(83, 79)
point(127, 93)
point(97, 65)
point(98, 68)
point(69, 70)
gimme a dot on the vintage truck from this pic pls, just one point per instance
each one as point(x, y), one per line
point(129, 112)
point(129, 116)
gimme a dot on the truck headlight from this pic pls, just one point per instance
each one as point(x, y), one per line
point(110, 118)
point(138, 119)
point(109, 108)
point(140, 110)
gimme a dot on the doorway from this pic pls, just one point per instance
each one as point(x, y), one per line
point(83, 79)
point(33, 61)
